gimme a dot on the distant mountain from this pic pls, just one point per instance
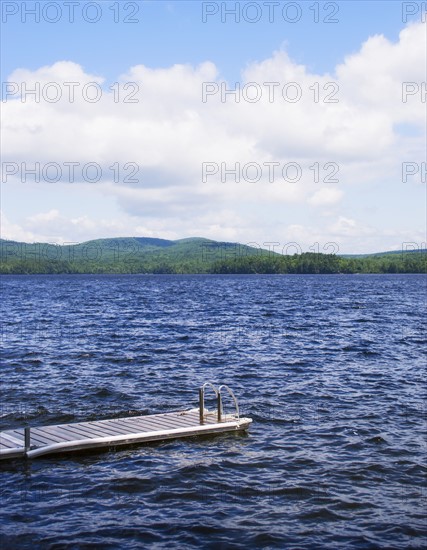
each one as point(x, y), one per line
point(121, 255)
point(191, 255)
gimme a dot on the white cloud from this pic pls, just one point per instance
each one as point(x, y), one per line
point(326, 196)
point(346, 226)
point(54, 227)
point(14, 232)
point(170, 132)
point(43, 217)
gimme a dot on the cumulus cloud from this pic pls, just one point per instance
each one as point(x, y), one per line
point(54, 227)
point(170, 134)
point(327, 195)
point(14, 232)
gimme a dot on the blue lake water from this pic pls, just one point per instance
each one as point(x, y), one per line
point(332, 370)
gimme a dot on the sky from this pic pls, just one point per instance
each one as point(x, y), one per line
point(289, 125)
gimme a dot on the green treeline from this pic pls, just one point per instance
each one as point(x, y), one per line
point(186, 256)
point(325, 263)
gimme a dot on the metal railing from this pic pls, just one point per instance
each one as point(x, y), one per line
point(236, 404)
point(202, 399)
point(219, 407)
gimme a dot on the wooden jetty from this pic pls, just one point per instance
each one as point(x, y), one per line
point(31, 442)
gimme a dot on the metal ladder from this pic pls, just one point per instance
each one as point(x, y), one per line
point(219, 407)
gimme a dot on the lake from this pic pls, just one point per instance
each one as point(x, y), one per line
point(331, 368)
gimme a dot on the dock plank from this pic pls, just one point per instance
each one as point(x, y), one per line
point(16, 434)
point(167, 423)
point(47, 435)
point(64, 435)
point(76, 433)
point(141, 427)
point(92, 430)
point(6, 443)
point(38, 440)
point(6, 436)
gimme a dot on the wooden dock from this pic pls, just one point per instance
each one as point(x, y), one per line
point(30, 442)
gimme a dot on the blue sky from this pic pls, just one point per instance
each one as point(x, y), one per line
point(173, 32)
point(170, 52)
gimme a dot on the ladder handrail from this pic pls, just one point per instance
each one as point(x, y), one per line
point(217, 392)
point(230, 391)
point(202, 399)
point(210, 385)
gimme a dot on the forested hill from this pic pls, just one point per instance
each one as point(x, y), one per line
point(194, 255)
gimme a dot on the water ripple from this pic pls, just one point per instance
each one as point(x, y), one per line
point(331, 369)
